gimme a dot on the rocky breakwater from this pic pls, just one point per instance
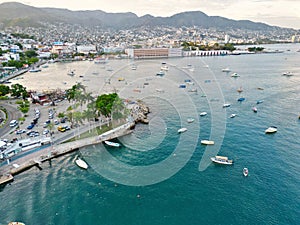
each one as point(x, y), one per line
point(139, 112)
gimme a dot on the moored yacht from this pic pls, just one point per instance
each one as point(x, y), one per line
point(222, 160)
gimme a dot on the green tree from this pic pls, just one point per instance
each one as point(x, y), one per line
point(104, 103)
point(30, 54)
point(17, 90)
point(4, 90)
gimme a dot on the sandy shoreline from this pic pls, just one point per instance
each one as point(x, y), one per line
point(55, 76)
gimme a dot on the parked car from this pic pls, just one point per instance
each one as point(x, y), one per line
point(46, 131)
point(30, 126)
point(13, 123)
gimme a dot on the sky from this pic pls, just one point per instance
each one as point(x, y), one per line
point(283, 13)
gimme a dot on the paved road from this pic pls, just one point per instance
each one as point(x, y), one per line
point(12, 114)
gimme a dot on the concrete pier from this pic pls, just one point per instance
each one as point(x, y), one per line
point(37, 158)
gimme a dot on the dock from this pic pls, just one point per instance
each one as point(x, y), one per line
point(6, 179)
point(54, 151)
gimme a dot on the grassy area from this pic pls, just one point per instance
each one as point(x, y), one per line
point(92, 133)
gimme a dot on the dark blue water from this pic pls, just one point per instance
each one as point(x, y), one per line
point(151, 181)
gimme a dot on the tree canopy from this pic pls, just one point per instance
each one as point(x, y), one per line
point(4, 90)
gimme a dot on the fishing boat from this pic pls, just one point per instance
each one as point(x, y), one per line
point(112, 144)
point(271, 130)
point(207, 142)
point(181, 130)
point(222, 160)
point(245, 172)
point(81, 163)
point(203, 114)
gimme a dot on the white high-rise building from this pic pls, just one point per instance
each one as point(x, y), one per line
point(227, 38)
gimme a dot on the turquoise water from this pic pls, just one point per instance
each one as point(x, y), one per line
point(149, 181)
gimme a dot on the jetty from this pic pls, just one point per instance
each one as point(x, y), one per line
point(6, 179)
point(54, 151)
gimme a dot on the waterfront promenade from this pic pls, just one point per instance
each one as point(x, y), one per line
point(53, 151)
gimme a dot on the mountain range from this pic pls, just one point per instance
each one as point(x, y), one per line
point(17, 14)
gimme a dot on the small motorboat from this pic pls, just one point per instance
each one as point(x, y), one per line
point(113, 144)
point(232, 115)
point(222, 160)
point(203, 114)
point(226, 105)
point(190, 120)
point(16, 223)
point(239, 90)
point(245, 172)
point(235, 75)
point(288, 74)
point(181, 130)
point(271, 130)
point(259, 102)
point(82, 164)
point(226, 69)
point(207, 142)
point(241, 99)
point(254, 109)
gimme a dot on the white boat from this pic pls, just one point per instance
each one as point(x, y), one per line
point(190, 120)
point(181, 130)
point(239, 90)
point(235, 75)
point(245, 172)
point(232, 115)
point(82, 164)
point(113, 144)
point(271, 129)
point(203, 114)
point(222, 160)
point(254, 109)
point(226, 69)
point(226, 105)
point(16, 223)
point(164, 68)
point(71, 73)
point(35, 70)
point(288, 74)
point(207, 142)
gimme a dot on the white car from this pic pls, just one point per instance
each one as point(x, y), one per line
point(46, 131)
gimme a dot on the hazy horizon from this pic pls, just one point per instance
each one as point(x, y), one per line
point(283, 13)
